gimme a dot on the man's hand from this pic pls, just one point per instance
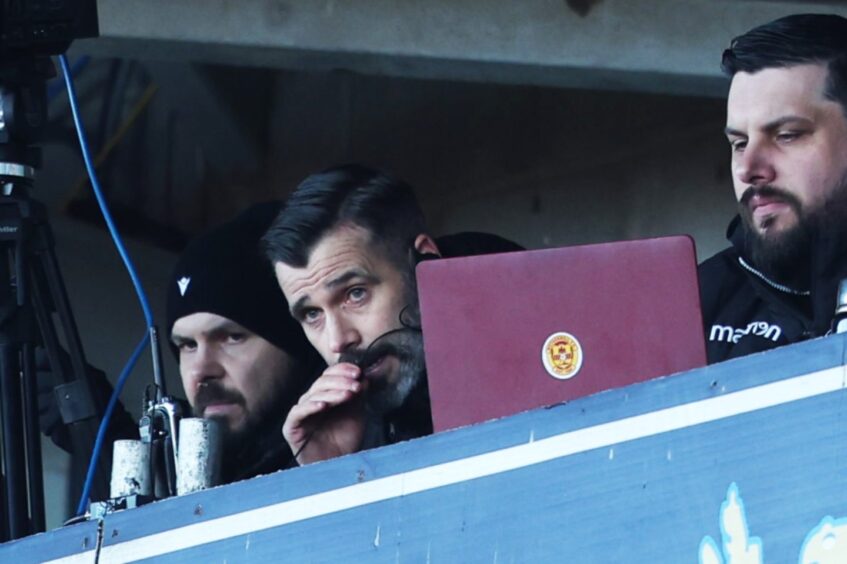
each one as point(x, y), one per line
point(329, 419)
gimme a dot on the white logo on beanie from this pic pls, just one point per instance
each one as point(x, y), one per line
point(183, 285)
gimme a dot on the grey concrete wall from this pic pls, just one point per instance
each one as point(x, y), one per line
point(545, 167)
point(652, 45)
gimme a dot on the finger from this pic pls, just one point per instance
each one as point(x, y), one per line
point(339, 385)
point(296, 426)
point(300, 413)
point(346, 369)
point(331, 397)
point(330, 383)
point(313, 404)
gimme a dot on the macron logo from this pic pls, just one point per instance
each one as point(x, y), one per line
point(729, 334)
point(183, 285)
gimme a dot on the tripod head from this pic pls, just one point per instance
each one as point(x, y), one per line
point(30, 33)
point(23, 115)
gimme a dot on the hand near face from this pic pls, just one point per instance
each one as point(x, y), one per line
point(329, 419)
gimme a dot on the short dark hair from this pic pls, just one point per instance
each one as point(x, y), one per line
point(351, 194)
point(795, 40)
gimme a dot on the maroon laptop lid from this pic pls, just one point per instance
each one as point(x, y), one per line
point(510, 332)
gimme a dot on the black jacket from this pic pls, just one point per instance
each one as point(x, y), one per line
point(264, 452)
point(746, 312)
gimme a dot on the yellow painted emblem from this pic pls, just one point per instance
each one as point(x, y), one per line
point(562, 356)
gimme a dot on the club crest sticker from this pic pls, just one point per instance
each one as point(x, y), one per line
point(562, 356)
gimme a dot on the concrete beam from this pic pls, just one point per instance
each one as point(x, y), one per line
point(647, 45)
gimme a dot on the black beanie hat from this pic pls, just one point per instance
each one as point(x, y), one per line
point(224, 272)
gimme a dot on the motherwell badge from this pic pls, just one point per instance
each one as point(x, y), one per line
point(562, 356)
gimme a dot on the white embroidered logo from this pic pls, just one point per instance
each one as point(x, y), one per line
point(733, 335)
point(183, 285)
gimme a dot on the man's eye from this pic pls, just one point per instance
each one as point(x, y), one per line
point(357, 294)
point(236, 337)
point(186, 346)
point(738, 144)
point(788, 136)
point(311, 316)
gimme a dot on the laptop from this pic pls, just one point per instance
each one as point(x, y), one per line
point(510, 332)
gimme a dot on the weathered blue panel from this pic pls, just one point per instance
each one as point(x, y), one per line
point(61, 543)
point(637, 475)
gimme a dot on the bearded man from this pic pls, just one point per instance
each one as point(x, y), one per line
point(787, 129)
point(242, 359)
point(344, 249)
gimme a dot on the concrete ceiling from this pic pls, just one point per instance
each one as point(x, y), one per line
point(663, 46)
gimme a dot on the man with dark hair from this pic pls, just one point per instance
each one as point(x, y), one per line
point(344, 250)
point(242, 358)
point(787, 129)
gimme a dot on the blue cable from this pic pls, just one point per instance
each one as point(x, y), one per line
point(136, 282)
point(104, 424)
point(95, 184)
point(55, 86)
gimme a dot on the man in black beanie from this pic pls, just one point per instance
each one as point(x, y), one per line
point(242, 358)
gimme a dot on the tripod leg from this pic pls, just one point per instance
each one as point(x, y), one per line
point(33, 441)
point(17, 512)
point(47, 278)
point(47, 293)
point(4, 523)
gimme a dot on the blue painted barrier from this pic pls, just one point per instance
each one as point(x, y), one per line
point(745, 461)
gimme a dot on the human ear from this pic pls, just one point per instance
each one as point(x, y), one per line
point(425, 245)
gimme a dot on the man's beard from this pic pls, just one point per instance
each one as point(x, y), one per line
point(212, 392)
point(786, 256)
point(406, 346)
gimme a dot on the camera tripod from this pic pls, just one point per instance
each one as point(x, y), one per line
point(33, 306)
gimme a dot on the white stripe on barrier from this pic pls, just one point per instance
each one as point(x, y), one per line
point(479, 466)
